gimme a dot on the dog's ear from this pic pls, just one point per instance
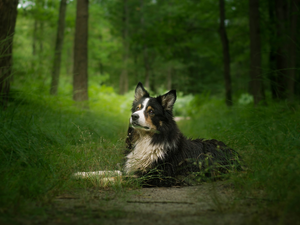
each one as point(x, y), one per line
point(167, 100)
point(140, 92)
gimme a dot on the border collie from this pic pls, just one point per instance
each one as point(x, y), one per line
point(161, 154)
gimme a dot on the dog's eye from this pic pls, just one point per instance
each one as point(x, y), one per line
point(137, 108)
point(151, 112)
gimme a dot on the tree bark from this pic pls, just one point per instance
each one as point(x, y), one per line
point(80, 73)
point(282, 48)
point(34, 38)
point(169, 78)
point(292, 50)
point(123, 85)
point(58, 47)
point(272, 50)
point(147, 67)
point(40, 39)
point(255, 52)
point(145, 49)
point(8, 16)
point(226, 55)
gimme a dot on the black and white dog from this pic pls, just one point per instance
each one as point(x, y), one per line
point(158, 151)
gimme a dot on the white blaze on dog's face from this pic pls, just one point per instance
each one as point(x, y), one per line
point(149, 113)
point(141, 111)
point(138, 118)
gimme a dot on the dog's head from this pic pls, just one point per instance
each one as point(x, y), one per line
point(149, 114)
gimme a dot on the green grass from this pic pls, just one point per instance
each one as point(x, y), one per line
point(44, 139)
point(268, 139)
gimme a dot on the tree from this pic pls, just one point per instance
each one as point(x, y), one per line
point(8, 16)
point(281, 12)
point(58, 47)
point(272, 52)
point(292, 50)
point(255, 52)
point(80, 73)
point(125, 29)
point(226, 55)
point(145, 49)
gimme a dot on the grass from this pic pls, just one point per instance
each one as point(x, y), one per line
point(268, 138)
point(44, 139)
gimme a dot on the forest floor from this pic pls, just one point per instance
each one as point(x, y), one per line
point(208, 203)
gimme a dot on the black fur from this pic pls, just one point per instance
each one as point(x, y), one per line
point(183, 156)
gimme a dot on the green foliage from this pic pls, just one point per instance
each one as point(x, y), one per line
point(103, 55)
point(44, 139)
point(183, 105)
point(268, 140)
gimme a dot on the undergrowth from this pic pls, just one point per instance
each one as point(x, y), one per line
point(45, 139)
point(268, 139)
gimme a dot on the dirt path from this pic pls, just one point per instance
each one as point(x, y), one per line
point(209, 203)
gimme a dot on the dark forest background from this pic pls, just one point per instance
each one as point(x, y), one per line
point(226, 48)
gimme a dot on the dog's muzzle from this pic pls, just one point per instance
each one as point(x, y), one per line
point(134, 120)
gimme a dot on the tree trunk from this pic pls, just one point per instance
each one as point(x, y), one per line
point(80, 73)
point(8, 16)
point(292, 50)
point(147, 67)
point(169, 78)
point(255, 52)
point(145, 49)
point(58, 47)
point(34, 38)
point(282, 48)
point(40, 39)
point(226, 55)
point(272, 50)
point(124, 74)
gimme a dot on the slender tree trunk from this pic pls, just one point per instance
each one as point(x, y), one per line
point(124, 72)
point(8, 16)
point(123, 85)
point(34, 38)
point(145, 49)
point(40, 39)
point(272, 51)
point(147, 67)
point(80, 73)
point(169, 78)
point(226, 55)
point(282, 48)
point(58, 47)
point(255, 52)
point(292, 50)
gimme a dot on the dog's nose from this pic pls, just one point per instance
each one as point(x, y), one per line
point(135, 117)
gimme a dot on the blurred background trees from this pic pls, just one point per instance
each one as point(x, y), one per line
point(8, 16)
point(58, 47)
point(170, 44)
point(80, 72)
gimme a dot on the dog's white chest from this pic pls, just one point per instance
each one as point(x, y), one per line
point(143, 155)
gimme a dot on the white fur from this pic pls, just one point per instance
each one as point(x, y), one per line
point(141, 114)
point(104, 173)
point(144, 154)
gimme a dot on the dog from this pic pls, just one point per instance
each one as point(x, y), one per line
point(157, 151)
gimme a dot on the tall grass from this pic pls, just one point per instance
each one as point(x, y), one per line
point(44, 139)
point(268, 139)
